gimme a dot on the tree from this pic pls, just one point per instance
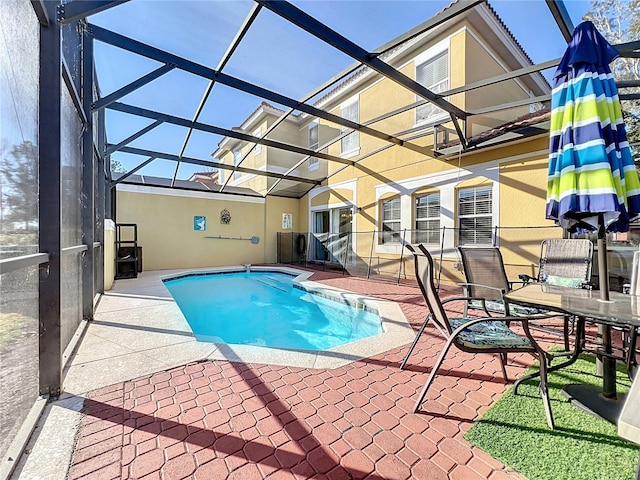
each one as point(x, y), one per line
point(19, 178)
point(619, 22)
point(116, 167)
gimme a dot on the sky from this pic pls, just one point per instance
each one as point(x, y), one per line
point(201, 31)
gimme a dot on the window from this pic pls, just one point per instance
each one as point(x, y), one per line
point(351, 142)
point(427, 219)
point(390, 221)
point(258, 148)
point(237, 156)
point(433, 74)
point(475, 216)
point(313, 162)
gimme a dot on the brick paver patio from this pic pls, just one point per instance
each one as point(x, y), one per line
point(222, 420)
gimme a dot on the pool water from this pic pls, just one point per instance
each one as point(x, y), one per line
point(264, 308)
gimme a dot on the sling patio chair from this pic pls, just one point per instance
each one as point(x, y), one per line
point(486, 282)
point(564, 262)
point(472, 334)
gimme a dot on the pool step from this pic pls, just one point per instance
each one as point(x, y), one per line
point(277, 287)
point(277, 280)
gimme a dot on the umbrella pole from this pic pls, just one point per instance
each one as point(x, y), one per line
point(603, 274)
point(608, 365)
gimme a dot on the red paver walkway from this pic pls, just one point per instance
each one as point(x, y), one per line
point(222, 420)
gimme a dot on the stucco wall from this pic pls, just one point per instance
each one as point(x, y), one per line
point(168, 239)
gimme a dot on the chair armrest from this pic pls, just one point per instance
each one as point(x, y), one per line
point(501, 290)
point(466, 298)
point(451, 299)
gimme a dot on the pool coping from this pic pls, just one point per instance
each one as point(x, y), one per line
point(396, 329)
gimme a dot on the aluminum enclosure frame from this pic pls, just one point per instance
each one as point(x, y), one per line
point(80, 9)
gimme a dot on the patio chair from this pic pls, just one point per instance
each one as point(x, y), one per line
point(474, 335)
point(486, 280)
point(630, 337)
point(565, 262)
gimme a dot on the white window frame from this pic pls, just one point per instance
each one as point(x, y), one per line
point(421, 60)
point(314, 162)
point(463, 232)
point(432, 235)
point(396, 203)
point(237, 156)
point(350, 150)
point(257, 150)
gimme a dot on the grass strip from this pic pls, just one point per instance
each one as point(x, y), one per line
point(582, 447)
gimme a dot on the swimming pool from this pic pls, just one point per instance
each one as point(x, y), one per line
point(267, 308)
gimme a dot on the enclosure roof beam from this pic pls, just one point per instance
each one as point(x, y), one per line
point(133, 86)
point(306, 22)
point(131, 138)
point(628, 84)
point(286, 113)
point(154, 53)
point(78, 9)
point(221, 166)
point(623, 48)
point(240, 34)
point(506, 106)
point(628, 47)
point(183, 122)
point(562, 17)
point(41, 12)
point(502, 77)
point(126, 175)
point(73, 91)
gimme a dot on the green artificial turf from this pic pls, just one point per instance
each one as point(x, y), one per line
point(514, 431)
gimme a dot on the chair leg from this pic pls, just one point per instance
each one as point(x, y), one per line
point(415, 341)
point(631, 352)
point(432, 375)
point(544, 390)
point(573, 357)
point(503, 363)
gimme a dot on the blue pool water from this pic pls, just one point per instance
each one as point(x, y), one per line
point(263, 308)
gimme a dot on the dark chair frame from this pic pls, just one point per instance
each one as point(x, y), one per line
point(424, 270)
point(558, 258)
point(485, 277)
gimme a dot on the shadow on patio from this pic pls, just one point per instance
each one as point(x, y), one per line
point(224, 419)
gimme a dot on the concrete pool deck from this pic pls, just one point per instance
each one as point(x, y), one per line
point(138, 329)
point(143, 399)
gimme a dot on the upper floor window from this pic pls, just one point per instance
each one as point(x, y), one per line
point(351, 142)
point(258, 148)
point(390, 221)
point(237, 156)
point(313, 162)
point(433, 74)
point(427, 217)
point(475, 215)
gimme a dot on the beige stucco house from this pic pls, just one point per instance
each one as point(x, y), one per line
point(487, 194)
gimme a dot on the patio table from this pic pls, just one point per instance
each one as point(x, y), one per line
point(620, 311)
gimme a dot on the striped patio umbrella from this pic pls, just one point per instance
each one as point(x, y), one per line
point(593, 183)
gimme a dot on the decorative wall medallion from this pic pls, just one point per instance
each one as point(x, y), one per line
point(225, 216)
